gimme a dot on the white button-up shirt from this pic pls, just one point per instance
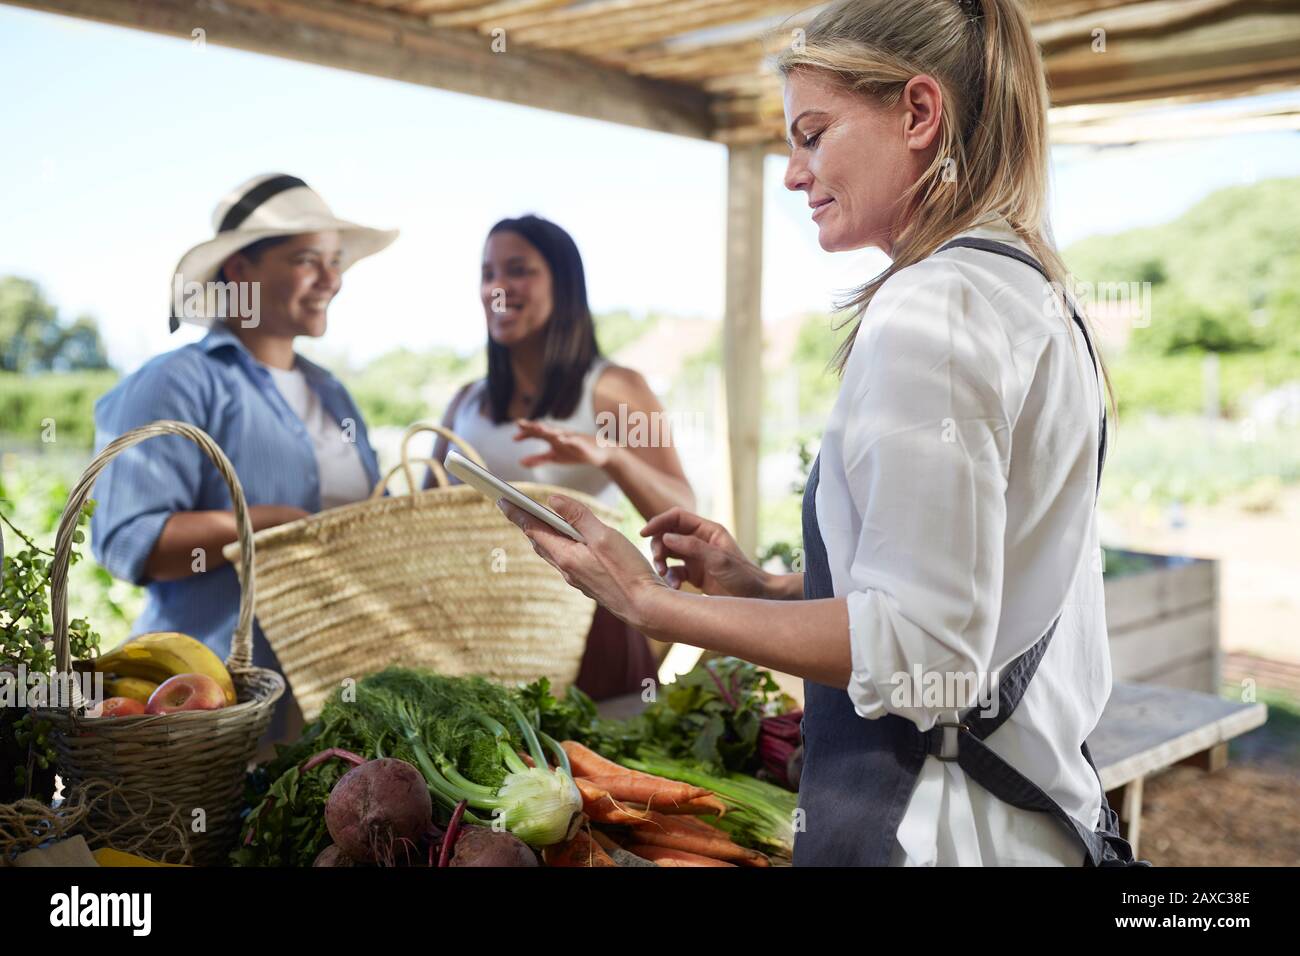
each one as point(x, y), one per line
point(956, 502)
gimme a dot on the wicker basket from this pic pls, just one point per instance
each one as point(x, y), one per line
point(436, 578)
point(195, 761)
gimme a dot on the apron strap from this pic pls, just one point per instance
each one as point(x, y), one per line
point(983, 765)
point(1011, 252)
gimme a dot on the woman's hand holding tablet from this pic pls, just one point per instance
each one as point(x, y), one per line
point(494, 488)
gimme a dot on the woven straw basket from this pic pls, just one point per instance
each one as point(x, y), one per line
point(194, 761)
point(436, 578)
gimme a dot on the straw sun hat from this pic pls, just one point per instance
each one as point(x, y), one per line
point(266, 206)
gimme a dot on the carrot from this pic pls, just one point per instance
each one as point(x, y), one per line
point(601, 807)
point(587, 763)
point(608, 811)
point(697, 824)
point(627, 784)
point(709, 806)
point(666, 856)
point(684, 833)
point(654, 792)
point(701, 844)
point(605, 840)
point(582, 851)
point(699, 806)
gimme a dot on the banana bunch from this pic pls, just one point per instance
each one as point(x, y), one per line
point(136, 688)
point(152, 658)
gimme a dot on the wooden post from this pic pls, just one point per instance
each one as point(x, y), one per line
point(1127, 803)
point(1216, 685)
point(743, 335)
point(1211, 760)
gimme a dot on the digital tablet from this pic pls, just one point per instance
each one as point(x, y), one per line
point(494, 488)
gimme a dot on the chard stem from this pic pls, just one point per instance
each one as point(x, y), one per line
point(315, 761)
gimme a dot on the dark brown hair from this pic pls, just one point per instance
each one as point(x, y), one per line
point(570, 344)
point(253, 252)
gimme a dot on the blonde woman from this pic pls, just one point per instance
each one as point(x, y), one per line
point(950, 625)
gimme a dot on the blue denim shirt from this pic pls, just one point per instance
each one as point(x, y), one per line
point(217, 385)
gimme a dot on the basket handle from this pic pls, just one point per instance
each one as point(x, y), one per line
point(441, 476)
point(241, 644)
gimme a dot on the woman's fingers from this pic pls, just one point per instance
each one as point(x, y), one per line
point(587, 524)
point(530, 429)
point(658, 557)
point(532, 461)
point(701, 558)
point(676, 519)
point(685, 546)
point(555, 548)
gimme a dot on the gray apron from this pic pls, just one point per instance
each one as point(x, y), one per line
point(858, 774)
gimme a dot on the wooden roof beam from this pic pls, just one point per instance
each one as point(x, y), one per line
point(354, 37)
point(1264, 48)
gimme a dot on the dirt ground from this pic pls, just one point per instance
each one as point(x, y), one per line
point(1247, 814)
point(1243, 815)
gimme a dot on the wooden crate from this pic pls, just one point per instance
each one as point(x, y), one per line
point(1164, 624)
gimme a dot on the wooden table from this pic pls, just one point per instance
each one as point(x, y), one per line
point(1147, 728)
point(1144, 729)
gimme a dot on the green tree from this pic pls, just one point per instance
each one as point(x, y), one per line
point(1225, 275)
point(34, 339)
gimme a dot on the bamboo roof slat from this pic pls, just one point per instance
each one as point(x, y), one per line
point(703, 67)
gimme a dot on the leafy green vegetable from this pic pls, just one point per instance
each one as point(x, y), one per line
point(25, 641)
point(287, 827)
point(573, 717)
point(711, 716)
point(707, 729)
point(463, 734)
point(25, 623)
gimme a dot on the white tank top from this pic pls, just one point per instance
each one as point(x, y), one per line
point(495, 442)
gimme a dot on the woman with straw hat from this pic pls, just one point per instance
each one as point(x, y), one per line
point(950, 624)
point(290, 428)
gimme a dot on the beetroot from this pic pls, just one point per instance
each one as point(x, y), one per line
point(480, 846)
point(333, 856)
point(379, 812)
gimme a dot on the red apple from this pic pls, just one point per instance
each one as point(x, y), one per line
point(186, 692)
point(121, 707)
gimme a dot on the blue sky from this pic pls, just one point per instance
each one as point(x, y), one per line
point(121, 142)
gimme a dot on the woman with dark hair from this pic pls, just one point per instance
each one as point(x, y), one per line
point(535, 416)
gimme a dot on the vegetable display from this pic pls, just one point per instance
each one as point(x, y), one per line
point(724, 716)
point(465, 737)
point(719, 728)
point(409, 768)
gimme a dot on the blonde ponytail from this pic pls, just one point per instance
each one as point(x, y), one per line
point(993, 153)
